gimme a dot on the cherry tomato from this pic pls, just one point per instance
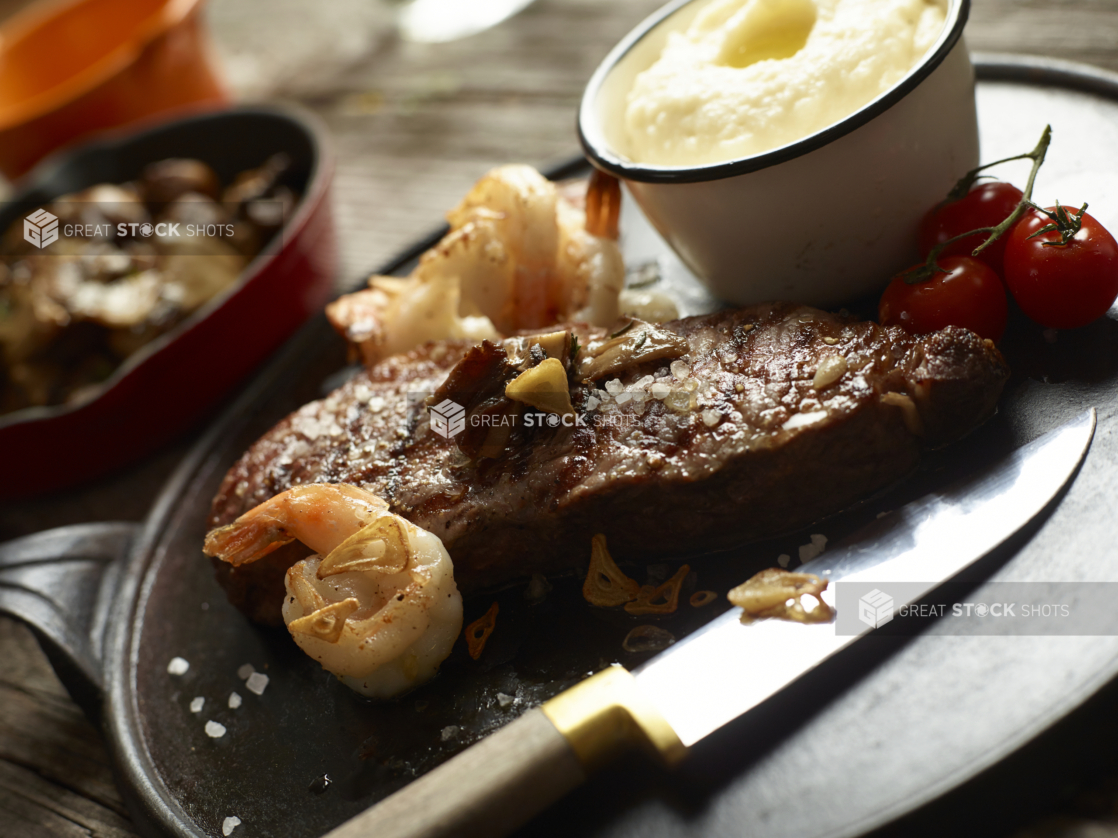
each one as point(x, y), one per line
point(970, 295)
point(1062, 286)
point(988, 204)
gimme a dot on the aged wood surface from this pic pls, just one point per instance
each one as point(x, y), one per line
point(414, 125)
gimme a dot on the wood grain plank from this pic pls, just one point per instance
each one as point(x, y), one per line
point(43, 731)
point(40, 807)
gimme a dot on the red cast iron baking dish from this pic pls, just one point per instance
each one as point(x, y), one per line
point(174, 381)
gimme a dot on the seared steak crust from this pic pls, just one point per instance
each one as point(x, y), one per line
point(766, 444)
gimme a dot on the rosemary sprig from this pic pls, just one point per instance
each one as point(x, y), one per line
point(623, 330)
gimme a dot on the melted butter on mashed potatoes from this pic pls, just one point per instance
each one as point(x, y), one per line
point(749, 76)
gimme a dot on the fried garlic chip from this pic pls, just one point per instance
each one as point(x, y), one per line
point(380, 546)
point(647, 639)
point(544, 387)
point(479, 630)
point(663, 599)
point(326, 623)
point(309, 599)
point(701, 599)
point(775, 593)
point(606, 586)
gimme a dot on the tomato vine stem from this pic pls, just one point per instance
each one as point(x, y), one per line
point(1066, 225)
point(930, 268)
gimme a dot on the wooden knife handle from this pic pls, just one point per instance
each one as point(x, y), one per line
point(487, 790)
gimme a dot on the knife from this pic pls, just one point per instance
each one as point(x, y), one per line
point(698, 685)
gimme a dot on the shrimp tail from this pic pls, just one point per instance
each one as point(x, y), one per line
point(243, 542)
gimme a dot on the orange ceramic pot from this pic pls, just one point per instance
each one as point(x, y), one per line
point(72, 67)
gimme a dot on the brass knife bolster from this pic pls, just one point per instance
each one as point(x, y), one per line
point(605, 714)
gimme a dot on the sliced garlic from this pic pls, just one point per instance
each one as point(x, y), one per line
point(544, 387)
point(830, 370)
point(554, 344)
point(909, 412)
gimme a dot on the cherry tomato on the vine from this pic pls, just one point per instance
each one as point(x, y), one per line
point(988, 204)
point(1061, 286)
point(970, 295)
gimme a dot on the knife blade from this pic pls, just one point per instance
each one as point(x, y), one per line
point(926, 542)
point(699, 684)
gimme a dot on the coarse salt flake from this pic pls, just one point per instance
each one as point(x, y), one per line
point(229, 824)
point(783, 559)
point(679, 400)
point(215, 730)
point(178, 666)
point(660, 390)
point(244, 670)
point(624, 398)
point(810, 551)
point(449, 732)
point(197, 704)
point(680, 369)
point(504, 699)
point(592, 403)
point(711, 418)
point(376, 404)
point(257, 682)
point(802, 420)
point(235, 700)
point(614, 386)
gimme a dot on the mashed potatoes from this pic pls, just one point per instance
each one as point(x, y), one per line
point(752, 75)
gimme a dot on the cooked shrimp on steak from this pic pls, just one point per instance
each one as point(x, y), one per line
point(376, 605)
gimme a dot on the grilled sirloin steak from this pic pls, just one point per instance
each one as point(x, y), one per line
point(769, 443)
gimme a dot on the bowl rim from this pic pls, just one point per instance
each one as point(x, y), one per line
point(26, 22)
point(318, 180)
point(609, 161)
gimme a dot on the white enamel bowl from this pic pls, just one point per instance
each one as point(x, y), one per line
point(818, 221)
